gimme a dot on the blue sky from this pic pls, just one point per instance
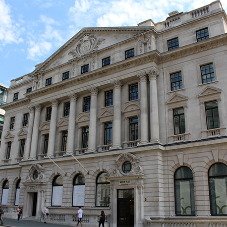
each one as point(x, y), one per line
point(32, 30)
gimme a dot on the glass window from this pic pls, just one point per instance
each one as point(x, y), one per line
point(1, 119)
point(78, 190)
point(1, 93)
point(179, 121)
point(133, 92)
point(109, 98)
point(129, 53)
point(84, 68)
point(126, 167)
point(86, 103)
point(15, 96)
point(184, 191)
point(8, 149)
point(48, 113)
point(133, 128)
point(65, 76)
point(107, 133)
point(29, 89)
point(105, 61)
point(66, 108)
point(57, 190)
point(176, 81)
point(25, 120)
point(207, 73)
point(202, 34)
point(48, 81)
point(64, 140)
point(218, 189)
point(212, 116)
point(102, 190)
point(85, 134)
point(5, 192)
point(12, 121)
point(173, 44)
point(45, 145)
point(22, 146)
point(17, 193)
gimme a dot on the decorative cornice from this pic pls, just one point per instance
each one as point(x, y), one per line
point(18, 103)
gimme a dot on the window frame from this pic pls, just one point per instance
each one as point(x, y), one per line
point(178, 81)
point(53, 182)
point(84, 68)
point(179, 120)
point(65, 75)
point(108, 131)
point(213, 117)
point(79, 184)
point(204, 65)
point(132, 127)
point(12, 123)
point(84, 137)
point(15, 96)
point(129, 53)
point(108, 100)
point(66, 111)
point(48, 81)
point(64, 137)
point(29, 90)
point(48, 113)
point(22, 147)
point(201, 30)
point(86, 103)
point(173, 47)
point(45, 143)
point(105, 61)
point(25, 119)
point(8, 150)
point(133, 95)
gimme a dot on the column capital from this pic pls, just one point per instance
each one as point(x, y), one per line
point(38, 107)
point(153, 74)
point(54, 102)
point(117, 83)
point(143, 76)
point(73, 97)
point(31, 109)
point(93, 90)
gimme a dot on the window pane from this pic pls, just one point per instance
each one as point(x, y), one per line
point(57, 195)
point(78, 195)
point(58, 181)
point(79, 180)
point(103, 195)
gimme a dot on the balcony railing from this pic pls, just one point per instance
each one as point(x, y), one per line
point(104, 147)
point(200, 12)
point(131, 144)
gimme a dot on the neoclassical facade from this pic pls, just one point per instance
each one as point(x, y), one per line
point(129, 120)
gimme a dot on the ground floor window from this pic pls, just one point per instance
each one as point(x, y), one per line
point(57, 191)
point(17, 193)
point(5, 192)
point(78, 190)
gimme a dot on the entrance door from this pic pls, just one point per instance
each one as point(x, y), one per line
point(125, 207)
point(34, 204)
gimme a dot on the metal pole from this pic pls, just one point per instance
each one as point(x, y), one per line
point(56, 164)
point(80, 163)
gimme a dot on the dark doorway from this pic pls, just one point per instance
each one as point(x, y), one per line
point(125, 207)
point(34, 204)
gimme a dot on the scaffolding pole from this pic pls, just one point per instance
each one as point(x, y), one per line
point(80, 163)
point(57, 165)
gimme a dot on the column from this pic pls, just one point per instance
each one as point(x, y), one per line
point(93, 120)
point(29, 135)
point(52, 132)
point(143, 108)
point(154, 118)
point(71, 126)
point(35, 133)
point(117, 116)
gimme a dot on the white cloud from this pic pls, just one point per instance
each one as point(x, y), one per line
point(48, 20)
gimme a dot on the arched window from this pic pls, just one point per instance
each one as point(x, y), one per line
point(17, 193)
point(57, 191)
point(184, 191)
point(5, 192)
point(78, 190)
point(218, 186)
point(102, 190)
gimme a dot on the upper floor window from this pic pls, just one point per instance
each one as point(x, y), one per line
point(45, 144)
point(64, 140)
point(105, 61)
point(8, 149)
point(179, 121)
point(202, 34)
point(48, 81)
point(78, 190)
point(129, 53)
point(85, 134)
point(176, 81)
point(1, 119)
point(84, 68)
point(15, 96)
point(86, 103)
point(212, 116)
point(173, 44)
point(25, 119)
point(29, 89)
point(12, 121)
point(57, 190)
point(133, 129)
point(107, 133)
point(126, 167)
point(109, 98)
point(133, 91)
point(207, 73)
point(48, 113)
point(66, 108)
point(22, 146)
point(65, 76)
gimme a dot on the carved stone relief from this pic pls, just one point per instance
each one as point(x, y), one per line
point(36, 174)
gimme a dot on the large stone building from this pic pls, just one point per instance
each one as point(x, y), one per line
point(129, 120)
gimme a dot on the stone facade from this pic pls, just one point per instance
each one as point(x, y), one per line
point(135, 95)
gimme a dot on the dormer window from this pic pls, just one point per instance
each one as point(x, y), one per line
point(65, 76)
point(15, 96)
point(84, 68)
point(129, 53)
point(48, 81)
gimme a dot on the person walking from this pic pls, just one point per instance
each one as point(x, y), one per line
point(1, 213)
point(80, 215)
point(19, 213)
point(102, 219)
point(45, 213)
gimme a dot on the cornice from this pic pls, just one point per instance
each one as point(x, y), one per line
point(21, 83)
point(15, 104)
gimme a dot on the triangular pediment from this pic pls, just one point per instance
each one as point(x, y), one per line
point(177, 98)
point(63, 122)
point(9, 135)
point(209, 90)
point(131, 106)
point(105, 113)
point(83, 117)
point(22, 132)
point(44, 126)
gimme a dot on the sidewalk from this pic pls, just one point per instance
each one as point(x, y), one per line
point(27, 223)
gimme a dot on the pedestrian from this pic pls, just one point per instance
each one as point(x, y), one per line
point(1, 213)
point(19, 213)
point(80, 215)
point(102, 219)
point(45, 213)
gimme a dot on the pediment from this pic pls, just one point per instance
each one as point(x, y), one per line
point(83, 117)
point(105, 113)
point(177, 98)
point(209, 90)
point(22, 132)
point(131, 106)
point(9, 136)
point(44, 126)
point(62, 123)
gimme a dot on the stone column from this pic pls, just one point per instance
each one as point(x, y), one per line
point(29, 135)
point(93, 120)
point(35, 133)
point(154, 118)
point(117, 116)
point(71, 126)
point(52, 132)
point(143, 108)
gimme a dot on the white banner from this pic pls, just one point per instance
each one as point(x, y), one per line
point(5, 193)
point(78, 195)
point(17, 197)
point(57, 195)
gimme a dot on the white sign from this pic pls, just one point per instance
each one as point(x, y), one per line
point(17, 197)
point(57, 196)
point(5, 196)
point(124, 182)
point(78, 195)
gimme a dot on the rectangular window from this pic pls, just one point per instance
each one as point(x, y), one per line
point(133, 92)
point(178, 121)
point(12, 121)
point(15, 96)
point(8, 150)
point(65, 76)
point(173, 44)
point(109, 98)
point(176, 81)
point(29, 89)
point(1, 119)
point(22, 145)
point(202, 34)
point(64, 140)
point(84, 68)
point(107, 133)
point(85, 133)
point(105, 61)
point(66, 108)
point(212, 116)
point(207, 73)
point(25, 120)
point(45, 145)
point(129, 53)
point(86, 103)
point(133, 129)
point(48, 81)
point(48, 113)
